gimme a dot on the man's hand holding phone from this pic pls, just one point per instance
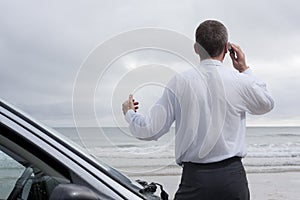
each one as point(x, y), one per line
point(130, 104)
point(238, 57)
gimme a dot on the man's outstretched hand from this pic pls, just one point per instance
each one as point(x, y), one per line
point(130, 104)
point(238, 58)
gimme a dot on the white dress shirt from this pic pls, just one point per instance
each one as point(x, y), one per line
point(208, 105)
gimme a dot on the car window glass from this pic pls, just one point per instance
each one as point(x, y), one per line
point(20, 179)
point(10, 170)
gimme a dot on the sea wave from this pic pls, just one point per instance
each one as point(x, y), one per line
point(261, 158)
point(134, 152)
point(254, 150)
point(274, 150)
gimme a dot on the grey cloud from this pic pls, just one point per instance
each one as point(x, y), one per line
point(42, 45)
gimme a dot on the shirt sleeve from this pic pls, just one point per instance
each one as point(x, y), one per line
point(255, 95)
point(159, 119)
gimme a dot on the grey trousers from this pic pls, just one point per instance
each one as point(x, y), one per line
point(224, 180)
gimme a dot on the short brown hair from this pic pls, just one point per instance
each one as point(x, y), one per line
point(212, 36)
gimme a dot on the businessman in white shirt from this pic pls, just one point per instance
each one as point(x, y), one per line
point(208, 105)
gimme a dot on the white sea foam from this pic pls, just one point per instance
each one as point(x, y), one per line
point(274, 150)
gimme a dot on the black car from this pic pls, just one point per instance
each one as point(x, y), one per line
point(38, 163)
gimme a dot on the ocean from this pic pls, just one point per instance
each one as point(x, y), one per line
point(270, 149)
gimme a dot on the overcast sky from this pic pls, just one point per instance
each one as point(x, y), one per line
point(44, 43)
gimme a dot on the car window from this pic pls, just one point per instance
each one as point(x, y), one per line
point(22, 178)
point(10, 170)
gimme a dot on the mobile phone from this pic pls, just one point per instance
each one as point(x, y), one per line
point(230, 49)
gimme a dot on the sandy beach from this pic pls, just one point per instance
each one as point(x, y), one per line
point(263, 186)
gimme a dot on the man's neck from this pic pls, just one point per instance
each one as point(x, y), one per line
point(219, 58)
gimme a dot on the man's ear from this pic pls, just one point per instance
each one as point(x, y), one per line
point(196, 48)
point(226, 47)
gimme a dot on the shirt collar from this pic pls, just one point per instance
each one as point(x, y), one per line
point(211, 62)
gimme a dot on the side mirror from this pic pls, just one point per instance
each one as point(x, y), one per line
point(72, 192)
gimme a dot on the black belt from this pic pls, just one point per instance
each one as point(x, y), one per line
point(222, 163)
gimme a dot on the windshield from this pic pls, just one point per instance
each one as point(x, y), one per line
point(72, 141)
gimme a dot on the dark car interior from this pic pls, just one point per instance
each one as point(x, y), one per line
point(38, 179)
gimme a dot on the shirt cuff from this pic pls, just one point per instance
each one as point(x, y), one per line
point(129, 115)
point(252, 76)
point(248, 71)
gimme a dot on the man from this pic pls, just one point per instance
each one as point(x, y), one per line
point(208, 105)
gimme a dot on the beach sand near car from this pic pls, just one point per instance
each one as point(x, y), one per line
point(263, 186)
